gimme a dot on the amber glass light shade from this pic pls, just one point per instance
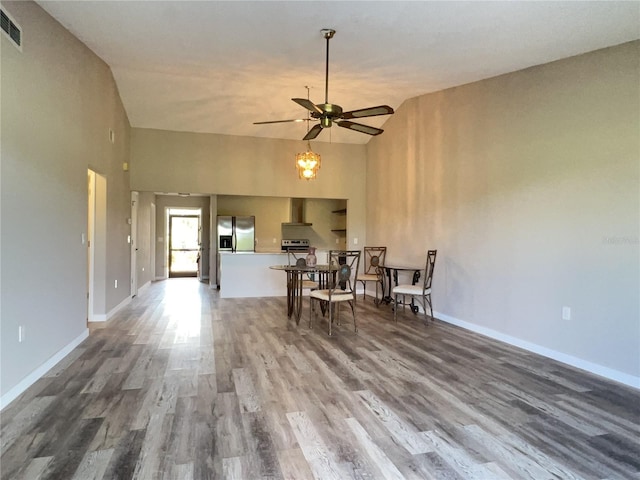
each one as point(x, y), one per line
point(308, 164)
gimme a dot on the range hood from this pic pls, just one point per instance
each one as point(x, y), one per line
point(297, 214)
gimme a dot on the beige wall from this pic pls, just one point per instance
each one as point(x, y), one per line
point(58, 103)
point(528, 186)
point(164, 161)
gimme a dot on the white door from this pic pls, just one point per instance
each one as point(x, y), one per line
point(152, 247)
point(134, 244)
point(91, 212)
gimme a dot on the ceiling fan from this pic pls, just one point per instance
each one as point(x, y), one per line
point(328, 113)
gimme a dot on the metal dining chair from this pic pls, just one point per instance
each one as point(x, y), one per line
point(341, 287)
point(422, 293)
point(299, 259)
point(373, 269)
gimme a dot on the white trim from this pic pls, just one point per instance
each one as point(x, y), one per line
point(157, 279)
point(590, 367)
point(112, 312)
point(34, 376)
point(133, 244)
point(90, 240)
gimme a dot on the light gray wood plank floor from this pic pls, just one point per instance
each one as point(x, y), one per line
point(181, 384)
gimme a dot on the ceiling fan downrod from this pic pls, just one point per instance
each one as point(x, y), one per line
point(328, 33)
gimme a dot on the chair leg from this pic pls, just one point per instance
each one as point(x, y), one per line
point(395, 309)
point(353, 311)
point(311, 312)
point(330, 317)
point(376, 301)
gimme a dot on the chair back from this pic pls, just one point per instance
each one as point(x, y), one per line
point(348, 262)
point(373, 259)
point(428, 270)
point(299, 258)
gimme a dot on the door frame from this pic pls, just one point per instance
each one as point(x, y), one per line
point(197, 214)
point(96, 243)
point(134, 243)
point(91, 229)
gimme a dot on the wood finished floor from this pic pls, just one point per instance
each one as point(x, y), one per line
point(182, 384)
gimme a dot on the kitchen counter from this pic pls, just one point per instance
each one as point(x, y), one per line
point(260, 252)
point(247, 274)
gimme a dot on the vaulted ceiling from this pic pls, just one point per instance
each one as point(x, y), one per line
point(219, 66)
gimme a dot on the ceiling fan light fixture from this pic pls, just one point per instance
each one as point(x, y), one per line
point(330, 113)
point(308, 164)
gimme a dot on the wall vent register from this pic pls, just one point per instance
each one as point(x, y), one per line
point(11, 29)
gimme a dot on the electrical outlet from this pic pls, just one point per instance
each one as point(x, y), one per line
point(20, 334)
point(115, 284)
point(355, 240)
point(566, 313)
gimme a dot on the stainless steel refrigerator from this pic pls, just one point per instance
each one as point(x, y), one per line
point(236, 234)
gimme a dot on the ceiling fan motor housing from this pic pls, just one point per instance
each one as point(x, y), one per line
point(330, 113)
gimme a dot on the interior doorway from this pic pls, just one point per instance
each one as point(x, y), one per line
point(95, 241)
point(184, 242)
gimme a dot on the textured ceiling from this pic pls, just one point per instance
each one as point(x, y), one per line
point(209, 66)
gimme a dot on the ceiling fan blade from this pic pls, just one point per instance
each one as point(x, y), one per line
point(313, 133)
point(282, 121)
point(368, 112)
point(308, 104)
point(358, 127)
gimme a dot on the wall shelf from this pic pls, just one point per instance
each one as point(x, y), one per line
point(341, 232)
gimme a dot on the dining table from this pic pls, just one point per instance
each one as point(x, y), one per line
point(322, 274)
point(390, 280)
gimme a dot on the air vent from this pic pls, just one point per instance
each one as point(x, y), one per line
point(11, 29)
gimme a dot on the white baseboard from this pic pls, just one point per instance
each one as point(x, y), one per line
point(144, 287)
point(590, 367)
point(112, 312)
point(30, 379)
